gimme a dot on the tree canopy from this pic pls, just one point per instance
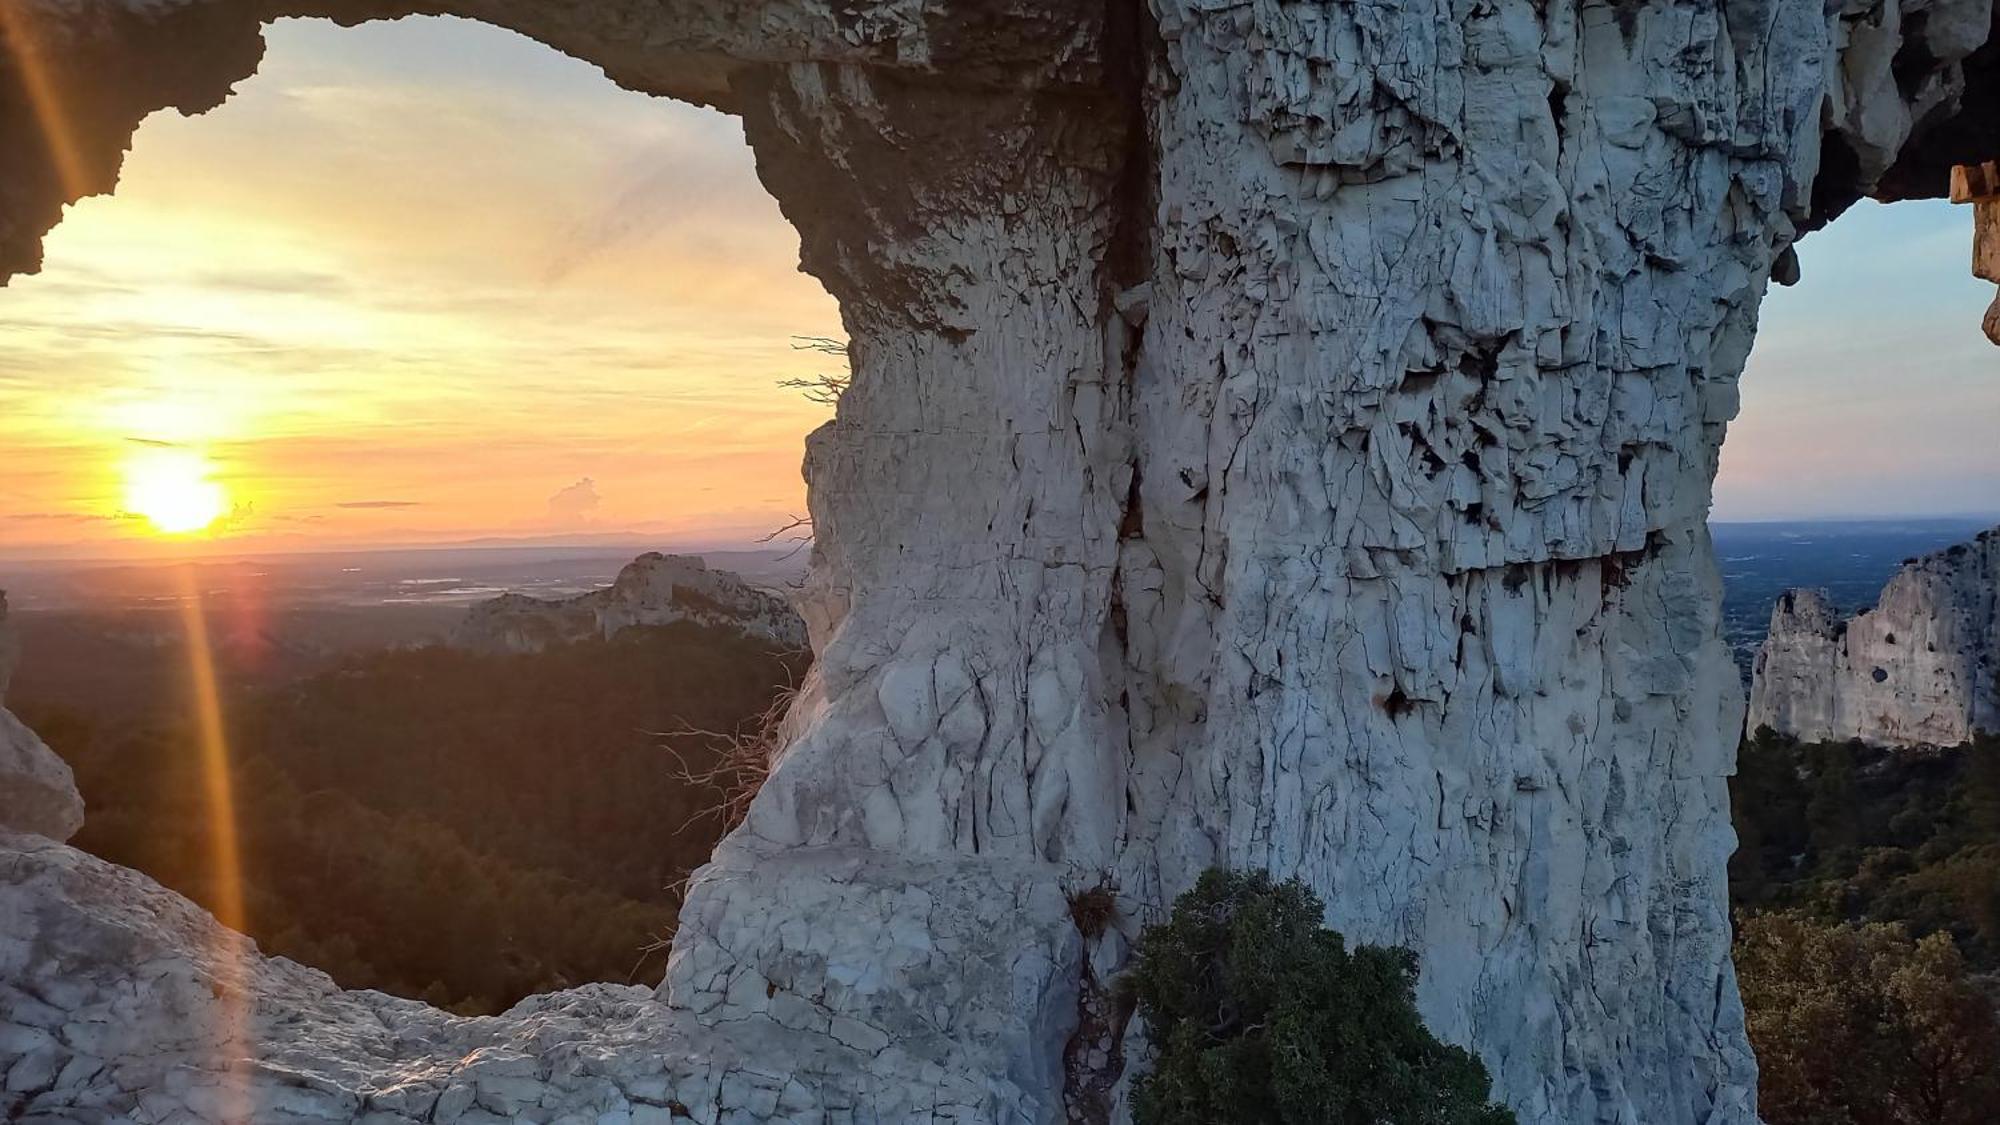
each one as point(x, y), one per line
point(1262, 1015)
point(462, 828)
point(1860, 1024)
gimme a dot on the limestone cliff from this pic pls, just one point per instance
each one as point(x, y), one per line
point(653, 589)
point(1919, 669)
point(1281, 436)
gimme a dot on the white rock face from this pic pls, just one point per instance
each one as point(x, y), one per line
point(37, 792)
point(653, 589)
point(1919, 669)
point(1280, 437)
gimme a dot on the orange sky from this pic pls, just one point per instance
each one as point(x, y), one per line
point(428, 281)
point(417, 281)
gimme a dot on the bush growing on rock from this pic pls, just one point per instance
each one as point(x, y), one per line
point(1260, 1014)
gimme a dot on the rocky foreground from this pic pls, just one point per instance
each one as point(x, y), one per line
point(653, 589)
point(1918, 669)
point(122, 1001)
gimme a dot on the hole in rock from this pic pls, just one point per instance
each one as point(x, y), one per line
point(425, 312)
point(1865, 434)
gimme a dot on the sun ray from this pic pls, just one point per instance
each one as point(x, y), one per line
point(225, 853)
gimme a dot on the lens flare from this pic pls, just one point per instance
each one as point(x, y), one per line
point(235, 1046)
point(175, 491)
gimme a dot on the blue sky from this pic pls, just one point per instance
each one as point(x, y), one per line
point(1872, 391)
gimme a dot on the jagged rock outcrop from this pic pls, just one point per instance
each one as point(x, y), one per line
point(1280, 436)
point(653, 589)
point(37, 792)
point(1922, 668)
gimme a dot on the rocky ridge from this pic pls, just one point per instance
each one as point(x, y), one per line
point(1917, 669)
point(654, 589)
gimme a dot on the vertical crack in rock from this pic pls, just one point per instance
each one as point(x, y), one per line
point(1094, 1057)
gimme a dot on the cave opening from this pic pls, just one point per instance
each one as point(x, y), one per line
point(422, 285)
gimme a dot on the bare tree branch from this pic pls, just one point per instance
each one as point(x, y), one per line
point(822, 389)
point(824, 345)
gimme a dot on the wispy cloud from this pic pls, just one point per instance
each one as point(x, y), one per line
point(364, 364)
point(275, 281)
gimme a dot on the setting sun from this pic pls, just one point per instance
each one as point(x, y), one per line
point(174, 490)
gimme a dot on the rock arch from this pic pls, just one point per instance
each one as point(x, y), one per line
point(1281, 436)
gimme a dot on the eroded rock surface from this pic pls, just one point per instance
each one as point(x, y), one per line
point(1281, 436)
point(653, 589)
point(1922, 668)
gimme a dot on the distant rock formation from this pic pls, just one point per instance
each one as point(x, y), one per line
point(1917, 670)
point(37, 791)
point(653, 589)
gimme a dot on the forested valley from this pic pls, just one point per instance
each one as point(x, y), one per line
point(1867, 891)
point(461, 828)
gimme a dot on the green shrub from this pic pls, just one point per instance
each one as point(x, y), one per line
point(1260, 1014)
point(1864, 1025)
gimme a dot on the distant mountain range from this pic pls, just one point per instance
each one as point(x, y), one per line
point(1850, 559)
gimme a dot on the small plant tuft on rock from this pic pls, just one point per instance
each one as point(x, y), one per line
point(1262, 1015)
point(1094, 909)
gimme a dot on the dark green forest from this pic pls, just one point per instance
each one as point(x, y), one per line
point(463, 828)
point(1846, 832)
point(1867, 892)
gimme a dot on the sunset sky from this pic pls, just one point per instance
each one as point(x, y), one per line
point(428, 281)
